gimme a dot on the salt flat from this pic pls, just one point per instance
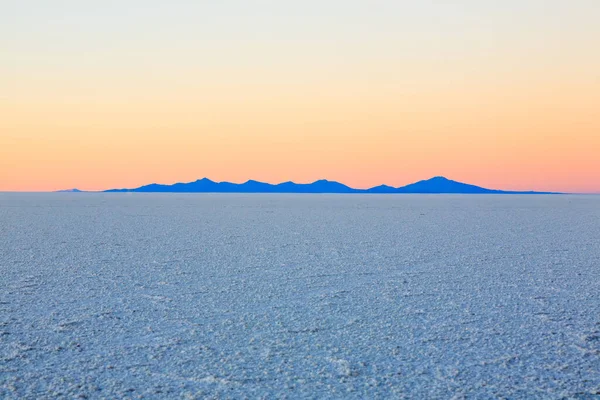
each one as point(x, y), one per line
point(299, 296)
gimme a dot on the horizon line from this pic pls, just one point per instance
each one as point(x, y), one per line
point(506, 191)
point(324, 180)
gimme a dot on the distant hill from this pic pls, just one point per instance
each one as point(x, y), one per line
point(438, 184)
point(70, 191)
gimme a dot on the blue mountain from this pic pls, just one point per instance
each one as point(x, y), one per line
point(207, 186)
point(438, 184)
point(75, 190)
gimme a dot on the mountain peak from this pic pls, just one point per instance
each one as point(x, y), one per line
point(441, 184)
point(439, 178)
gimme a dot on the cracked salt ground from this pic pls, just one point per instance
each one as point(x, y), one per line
point(299, 296)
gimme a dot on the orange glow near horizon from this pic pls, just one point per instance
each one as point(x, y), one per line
point(514, 110)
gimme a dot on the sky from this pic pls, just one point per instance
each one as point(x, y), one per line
point(111, 94)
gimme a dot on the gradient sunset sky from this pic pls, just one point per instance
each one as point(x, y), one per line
point(110, 94)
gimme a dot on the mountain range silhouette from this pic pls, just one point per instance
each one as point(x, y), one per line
point(438, 184)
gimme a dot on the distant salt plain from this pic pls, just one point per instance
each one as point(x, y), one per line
point(299, 296)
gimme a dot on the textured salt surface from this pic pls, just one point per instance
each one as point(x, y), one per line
point(326, 296)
